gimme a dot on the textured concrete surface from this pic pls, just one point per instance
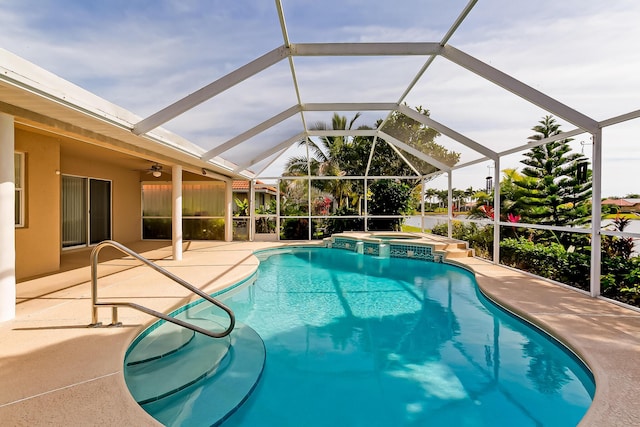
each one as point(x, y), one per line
point(54, 370)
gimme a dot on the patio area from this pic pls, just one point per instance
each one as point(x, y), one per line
point(57, 371)
point(204, 98)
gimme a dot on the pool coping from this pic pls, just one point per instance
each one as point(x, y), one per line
point(56, 371)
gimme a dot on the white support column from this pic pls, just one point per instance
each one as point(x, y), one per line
point(176, 217)
point(309, 189)
point(310, 220)
point(596, 209)
point(366, 204)
point(228, 210)
point(7, 220)
point(278, 184)
point(496, 212)
point(450, 204)
point(422, 205)
point(252, 210)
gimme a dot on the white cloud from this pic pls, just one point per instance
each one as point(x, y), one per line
point(146, 55)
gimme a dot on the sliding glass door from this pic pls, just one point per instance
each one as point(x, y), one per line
point(86, 211)
point(99, 211)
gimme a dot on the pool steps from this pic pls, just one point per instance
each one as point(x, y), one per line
point(181, 363)
point(159, 343)
point(169, 365)
point(428, 247)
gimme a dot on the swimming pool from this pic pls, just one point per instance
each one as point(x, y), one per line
point(355, 340)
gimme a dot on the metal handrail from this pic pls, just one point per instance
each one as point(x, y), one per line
point(114, 305)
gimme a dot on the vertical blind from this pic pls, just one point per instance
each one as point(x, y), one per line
point(156, 200)
point(74, 211)
point(18, 169)
point(198, 199)
point(203, 199)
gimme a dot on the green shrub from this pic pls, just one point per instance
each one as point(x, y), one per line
point(543, 254)
point(621, 278)
point(295, 229)
point(192, 229)
point(156, 228)
point(265, 225)
point(203, 229)
point(547, 260)
point(577, 270)
point(339, 225)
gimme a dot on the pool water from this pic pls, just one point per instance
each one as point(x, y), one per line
point(355, 340)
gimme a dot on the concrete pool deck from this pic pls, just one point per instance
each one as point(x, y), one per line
point(54, 370)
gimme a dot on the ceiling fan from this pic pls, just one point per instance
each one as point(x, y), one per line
point(155, 170)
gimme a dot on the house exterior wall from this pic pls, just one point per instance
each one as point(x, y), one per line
point(264, 199)
point(126, 215)
point(38, 242)
point(634, 208)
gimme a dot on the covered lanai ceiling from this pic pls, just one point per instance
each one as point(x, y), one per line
point(266, 72)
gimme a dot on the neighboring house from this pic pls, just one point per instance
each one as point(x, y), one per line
point(263, 193)
point(624, 205)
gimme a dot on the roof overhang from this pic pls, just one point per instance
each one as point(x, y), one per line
point(37, 98)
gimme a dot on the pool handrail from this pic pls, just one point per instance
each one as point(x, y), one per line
point(114, 305)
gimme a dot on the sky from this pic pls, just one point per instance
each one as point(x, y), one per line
point(144, 55)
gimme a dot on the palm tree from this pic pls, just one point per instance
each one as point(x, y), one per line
point(429, 194)
point(326, 159)
point(443, 198)
point(468, 195)
point(325, 154)
point(457, 196)
point(341, 189)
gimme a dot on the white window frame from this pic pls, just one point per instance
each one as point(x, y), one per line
point(19, 162)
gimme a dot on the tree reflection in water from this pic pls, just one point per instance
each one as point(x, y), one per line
point(414, 337)
point(547, 374)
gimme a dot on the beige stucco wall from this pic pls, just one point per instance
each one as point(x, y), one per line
point(38, 242)
point(125, 192)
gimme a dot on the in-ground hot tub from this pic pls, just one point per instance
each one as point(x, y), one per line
point(388, 244)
